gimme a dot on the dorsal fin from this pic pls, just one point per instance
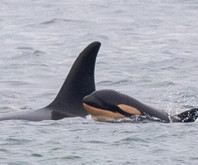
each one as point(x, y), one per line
point(79, 83)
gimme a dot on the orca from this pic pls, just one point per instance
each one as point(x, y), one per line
point(68, 103)
point(110, 106)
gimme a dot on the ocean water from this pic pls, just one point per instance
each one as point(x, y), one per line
point(149, 51)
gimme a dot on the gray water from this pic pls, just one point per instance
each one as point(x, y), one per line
point(149, 51)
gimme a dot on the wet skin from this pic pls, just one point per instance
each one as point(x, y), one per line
point(110, 105)
point(68, 103)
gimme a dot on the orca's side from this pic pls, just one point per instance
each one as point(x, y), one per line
point(68, 103)
point(110, 105)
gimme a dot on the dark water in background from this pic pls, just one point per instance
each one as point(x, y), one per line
point(149, 51)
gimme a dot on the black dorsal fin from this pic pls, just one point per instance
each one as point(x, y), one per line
point(79, 83)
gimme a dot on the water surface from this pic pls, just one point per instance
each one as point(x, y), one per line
point(149, 51)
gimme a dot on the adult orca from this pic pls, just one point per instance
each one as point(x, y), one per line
point(68, 103)
point(110, 105)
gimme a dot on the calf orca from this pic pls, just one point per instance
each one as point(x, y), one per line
point(109, 105)
point(68, 103)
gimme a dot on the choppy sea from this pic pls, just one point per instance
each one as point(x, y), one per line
point(149, 51)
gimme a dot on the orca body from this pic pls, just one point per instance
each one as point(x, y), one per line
point(109, 105)
point(68, 103)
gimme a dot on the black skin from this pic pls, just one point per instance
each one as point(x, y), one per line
point(109, 99)
point(79, 83)
point(68, 103)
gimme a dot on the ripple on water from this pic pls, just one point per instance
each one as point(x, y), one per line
point(37, 155)
point(25, 51)
point(60, 20)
